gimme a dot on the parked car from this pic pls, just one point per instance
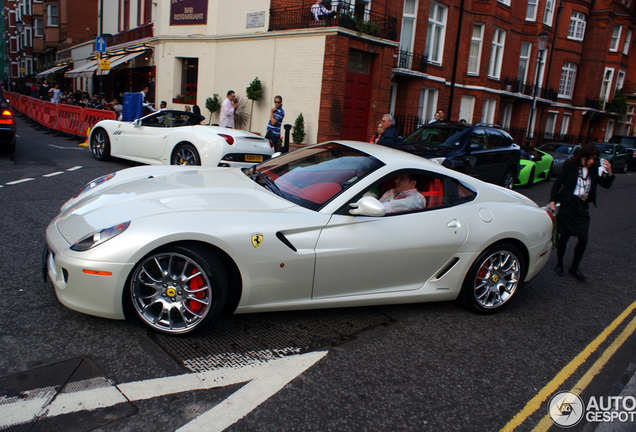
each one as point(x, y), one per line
point(171, 137)
point(560, 152)
point(8, 127)
point(483, 151)
point(631, 158)
point(536, 165)
point(615, 154)
point(178, 245)
point(624, 140)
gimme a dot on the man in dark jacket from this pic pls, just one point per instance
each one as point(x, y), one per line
point(390, 136)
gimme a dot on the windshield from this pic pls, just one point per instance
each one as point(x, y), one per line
point(438, 136)
point(313, 176)
point(605, 148)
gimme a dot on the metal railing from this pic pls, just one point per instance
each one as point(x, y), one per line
point(298, 17)
point(515, 85)
point(408, 60)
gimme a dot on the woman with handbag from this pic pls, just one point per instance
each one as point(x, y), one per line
point(575, 188)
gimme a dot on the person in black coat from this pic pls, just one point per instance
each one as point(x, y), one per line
point(575, 188)
point(389, 137)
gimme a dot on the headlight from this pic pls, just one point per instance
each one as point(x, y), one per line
point(98, 237)
point(93, 184)
point(439, 160)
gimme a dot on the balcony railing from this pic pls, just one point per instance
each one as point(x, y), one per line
point(298, 17)
point(408, 60)
point(516, 86)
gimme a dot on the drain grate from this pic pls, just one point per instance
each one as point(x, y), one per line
point(27, 399)
point(242, 340)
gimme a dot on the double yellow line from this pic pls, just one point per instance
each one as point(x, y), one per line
point(536, 402)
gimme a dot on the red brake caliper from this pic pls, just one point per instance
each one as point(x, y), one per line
point(481, 273)
point(196, 283)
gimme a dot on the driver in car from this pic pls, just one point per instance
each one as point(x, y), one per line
point(404, 196)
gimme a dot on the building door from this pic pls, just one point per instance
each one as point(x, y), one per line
point(357, 98)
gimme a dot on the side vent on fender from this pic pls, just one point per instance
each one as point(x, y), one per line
point(445, 270)
point(287, 243)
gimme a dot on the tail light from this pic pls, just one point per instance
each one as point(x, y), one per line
point(228, 138)
point(6, 118)
point(271, 143)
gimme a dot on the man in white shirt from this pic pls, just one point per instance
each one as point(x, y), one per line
point(404, 196)
point(226, 117)
point(55, 93)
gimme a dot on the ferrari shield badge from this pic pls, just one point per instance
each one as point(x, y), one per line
point(257, 240)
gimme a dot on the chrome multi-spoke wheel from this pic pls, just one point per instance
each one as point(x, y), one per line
point(508, 180)
point(493, 278)
point(178, 290)
point(100, 144)
point(186, 154)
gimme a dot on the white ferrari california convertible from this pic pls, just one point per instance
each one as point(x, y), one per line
point(171, 137)
point(179, 246)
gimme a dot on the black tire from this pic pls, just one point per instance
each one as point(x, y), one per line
point(177, 289)
point(508, 180)
point(100, 144)
point(493, 279)
point(549, 177)
point(531, 178)
point(185, 154)
point(10, 149)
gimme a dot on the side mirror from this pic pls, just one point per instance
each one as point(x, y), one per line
point(367, 206)
point(137, 122)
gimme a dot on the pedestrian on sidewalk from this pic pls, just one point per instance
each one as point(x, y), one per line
point(276, 116)
point(226, 117)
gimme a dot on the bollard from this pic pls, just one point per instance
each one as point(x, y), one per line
point(285, 148)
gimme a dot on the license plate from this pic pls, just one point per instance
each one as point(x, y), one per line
point(253, 158)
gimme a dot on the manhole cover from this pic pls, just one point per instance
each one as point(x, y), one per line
point(240, 340)
point(29, 399)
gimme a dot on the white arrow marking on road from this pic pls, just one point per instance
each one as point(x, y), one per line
point(265, 380)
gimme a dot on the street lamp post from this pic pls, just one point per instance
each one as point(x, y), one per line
point(541, 46)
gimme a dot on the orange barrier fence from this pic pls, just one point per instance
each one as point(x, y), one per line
point(70, 119)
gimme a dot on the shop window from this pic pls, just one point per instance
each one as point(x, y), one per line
point(189, 79)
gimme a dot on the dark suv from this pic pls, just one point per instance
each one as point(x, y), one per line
point(482, 150)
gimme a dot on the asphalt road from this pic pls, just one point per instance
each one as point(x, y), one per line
point(420, 367)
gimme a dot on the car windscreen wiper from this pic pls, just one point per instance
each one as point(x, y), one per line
point(268, 183)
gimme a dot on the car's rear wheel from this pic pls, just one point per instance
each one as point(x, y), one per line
point(531, 178)
point(185, 154)
point(10, 149)
point(508, 180)
point(550, 172)
point(100, 144)
point(178, 289)
point(493, 279)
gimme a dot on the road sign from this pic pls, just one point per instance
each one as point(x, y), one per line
point(104, 64)
point(100, 44)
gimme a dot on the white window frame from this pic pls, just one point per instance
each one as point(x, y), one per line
point(38, 30)
point(507, 117)
point(565, 124)
point(525, 61)
point(476, 42)
point(428, 103)
point(467, 108)
point(548, 16)
point(578, 22)
point(606, 85)
point(616, 38)
point(496, 54)
point(49, 15)
point(609, 129)
point(628, 41)
point(620, 79)
point(541, 73)
point(550, 124)
point(566, 83)
point(531, 14)
point(506, 2)
point(488, 113)
point(406, 16)
point(436, 32)
point(393, 98)
point(28, 39)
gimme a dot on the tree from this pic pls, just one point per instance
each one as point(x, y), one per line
point(254, 93)
point(298, 133)
point(213, 105)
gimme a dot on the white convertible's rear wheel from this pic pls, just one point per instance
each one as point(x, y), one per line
point(178, 290)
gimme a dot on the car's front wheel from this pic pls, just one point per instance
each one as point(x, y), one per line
point(185, 154)
point(178, 289)
point(493, 279)
point(100, 144)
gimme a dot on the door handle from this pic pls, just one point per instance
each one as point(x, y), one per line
point(454, 224)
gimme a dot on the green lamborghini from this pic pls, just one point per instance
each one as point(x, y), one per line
point(536, 165)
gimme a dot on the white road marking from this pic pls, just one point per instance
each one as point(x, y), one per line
point(19, 181)
point(66, 148)
point(75, 168)
point(53, 174)
point(265, 380)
